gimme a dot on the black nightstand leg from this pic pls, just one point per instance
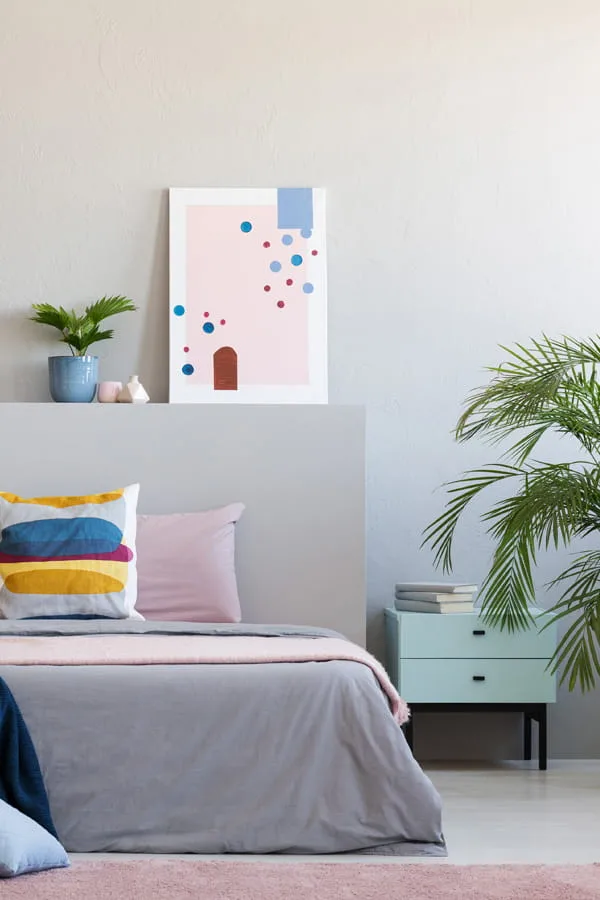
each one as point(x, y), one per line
point(543, 737)
point(526, 736)
point(409, 732)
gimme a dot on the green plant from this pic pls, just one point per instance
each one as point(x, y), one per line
point(548, 386)
point(79, 332)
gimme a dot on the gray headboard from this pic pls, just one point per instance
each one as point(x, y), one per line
point(298, 469)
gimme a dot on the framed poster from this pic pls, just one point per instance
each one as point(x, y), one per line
point(248, 296)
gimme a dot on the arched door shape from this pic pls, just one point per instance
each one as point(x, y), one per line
point(225, 375)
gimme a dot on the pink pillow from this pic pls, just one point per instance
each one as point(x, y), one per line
point(186, 566)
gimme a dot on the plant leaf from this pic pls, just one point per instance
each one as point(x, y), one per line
point(80, 332)
point(109, 306)
point(547, 386)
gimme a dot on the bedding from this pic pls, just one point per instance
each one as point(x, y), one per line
point(21, 782)
point(186, 566)
point(68, 556)
point(152, 649)
point(160, 754)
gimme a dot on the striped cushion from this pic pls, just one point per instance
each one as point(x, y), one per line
point(68, 556)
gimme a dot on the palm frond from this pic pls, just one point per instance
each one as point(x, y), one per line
point(578, 652)
point(549, 503)
point(508, 590)
point(548, 386)
point(79, 332)
point(546, 511)
point(524, 446)
point(56, 317)
point(535, 389)
point(83, 340)
point(96, 335)
point(519, 388)
point(440, 533)
point(109, 306)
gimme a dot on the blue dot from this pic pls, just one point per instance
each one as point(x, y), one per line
point(296, 259)
point(308, 288)
point(306, 232)
point(287, 239)
point(208, 328)
point(179, 310)
point(187, 369)
point(246, 227)
point(275, 266)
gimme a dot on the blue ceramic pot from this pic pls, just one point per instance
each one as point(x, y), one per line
point(73, 379)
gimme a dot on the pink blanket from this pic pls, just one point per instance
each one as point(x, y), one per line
point(158, 649)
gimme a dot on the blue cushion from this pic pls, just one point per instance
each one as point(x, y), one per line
point(25, 846)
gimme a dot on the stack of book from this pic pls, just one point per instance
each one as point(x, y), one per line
point(431, 597)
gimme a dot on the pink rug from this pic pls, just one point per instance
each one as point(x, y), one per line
point(182, 880)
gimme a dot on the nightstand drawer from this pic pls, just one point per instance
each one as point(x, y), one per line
point(476, 681)
point(454, 636)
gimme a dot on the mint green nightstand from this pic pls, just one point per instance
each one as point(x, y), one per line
point(455, 663)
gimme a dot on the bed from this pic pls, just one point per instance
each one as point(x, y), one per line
point(171, 737)
point(296, 757)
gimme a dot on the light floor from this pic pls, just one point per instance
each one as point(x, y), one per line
point(507, 813)
point(512, 814)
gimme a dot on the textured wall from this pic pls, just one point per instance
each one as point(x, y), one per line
point(459, 143)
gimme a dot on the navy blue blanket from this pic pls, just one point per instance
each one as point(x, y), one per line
point(21, 782)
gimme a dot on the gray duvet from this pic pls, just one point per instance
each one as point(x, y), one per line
point(253, 758)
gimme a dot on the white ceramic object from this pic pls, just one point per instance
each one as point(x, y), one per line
point(133, 392)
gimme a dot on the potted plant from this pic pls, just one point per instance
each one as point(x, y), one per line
point(548, 386)
point(73, 379)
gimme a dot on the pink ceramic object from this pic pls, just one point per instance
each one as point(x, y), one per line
point(108, 391)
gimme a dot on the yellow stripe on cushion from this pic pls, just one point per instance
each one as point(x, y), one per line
point(108, 567)
point(62, 582)
point(63, 502)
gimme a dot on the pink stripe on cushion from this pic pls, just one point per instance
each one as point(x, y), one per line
point(159, 649)
point(121, 554)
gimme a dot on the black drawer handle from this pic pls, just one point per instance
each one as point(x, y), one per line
point(478, 677)
point(479, 632)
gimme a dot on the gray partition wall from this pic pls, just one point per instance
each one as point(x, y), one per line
point(299, 470)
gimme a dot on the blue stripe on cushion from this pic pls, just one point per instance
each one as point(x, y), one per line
point(50, 538)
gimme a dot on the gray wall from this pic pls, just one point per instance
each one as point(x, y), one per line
point(300, 544)
point(459, 144)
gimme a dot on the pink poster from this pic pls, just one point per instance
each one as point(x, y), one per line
point(248, 296)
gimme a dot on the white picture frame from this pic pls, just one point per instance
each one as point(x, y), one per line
point(248, 295)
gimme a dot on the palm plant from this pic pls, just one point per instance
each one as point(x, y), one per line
point(548, 386)
point(79, 332)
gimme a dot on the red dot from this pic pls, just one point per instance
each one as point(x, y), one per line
point(290, 281)
point(223, 322)
point(186, 349)
point(315, 253)
point(206, 315)
point(267, 287)
point(280, 304)
point(267, 244)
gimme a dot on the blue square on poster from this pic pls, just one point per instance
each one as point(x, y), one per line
point(295, 208)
